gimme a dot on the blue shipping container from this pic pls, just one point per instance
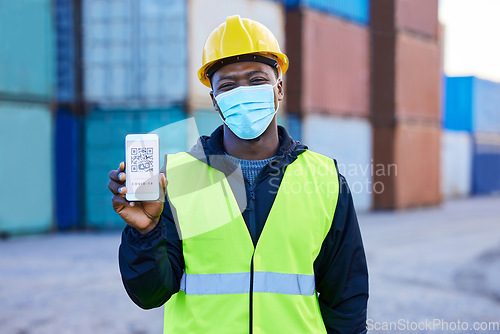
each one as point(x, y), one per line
point(68, 172)
point(486, 165)
point(354, 10)
point(65, 29)
point(135, 51)
point(207, 121)
point(472, 104)
point(27, 60)
point(105, 132)
point(26, 168)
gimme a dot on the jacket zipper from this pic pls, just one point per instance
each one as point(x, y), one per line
point(251, 295)
point(251, 217)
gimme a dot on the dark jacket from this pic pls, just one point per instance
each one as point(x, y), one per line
point(151, 265)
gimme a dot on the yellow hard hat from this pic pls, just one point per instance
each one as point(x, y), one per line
point(238, 37)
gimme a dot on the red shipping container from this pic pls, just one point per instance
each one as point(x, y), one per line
point(406, 78)
point(418, 79)
point(407, 160)
point(329, 64)
point(418, 16)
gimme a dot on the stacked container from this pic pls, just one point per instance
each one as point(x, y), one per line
point(406, 102)
point(105, 132)
point(26, 89)
point(68, 118)
point(328, 85)
point(472, 118)
point(134, 59)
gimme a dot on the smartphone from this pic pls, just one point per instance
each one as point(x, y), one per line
point(142, 156)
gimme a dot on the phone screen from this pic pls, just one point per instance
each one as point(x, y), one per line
point(142, 169)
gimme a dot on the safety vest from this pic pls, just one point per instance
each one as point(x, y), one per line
point(228, 285)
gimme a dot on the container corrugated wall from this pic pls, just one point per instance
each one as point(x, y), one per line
point(205, 16)
point(418, 79)
point(406, 102)
point(418, 16)
point(457, 111)
point(105, 132)
point(65, 31)
point(456, 164)
point(486, 164)
point(68, 163)
point(330, 65)
point(135, 51)
point(206, 121)
point(472, 104)
point(26, 168)
point(409, 159)
point(354, 10)
point(349, 141)
point(27, 62)
point(486, 107)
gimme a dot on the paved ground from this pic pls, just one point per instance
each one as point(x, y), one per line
point(426, 267)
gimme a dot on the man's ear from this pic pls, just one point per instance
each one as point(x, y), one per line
point(214, 102)
point(281, 89)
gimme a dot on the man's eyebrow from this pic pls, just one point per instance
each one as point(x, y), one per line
point(230, 77)
point(249, 74)
point(257, 72)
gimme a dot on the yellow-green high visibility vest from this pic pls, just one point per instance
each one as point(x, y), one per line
point(227, 283)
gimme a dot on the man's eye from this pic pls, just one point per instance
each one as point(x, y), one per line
point(226, 85)
point(258, 80)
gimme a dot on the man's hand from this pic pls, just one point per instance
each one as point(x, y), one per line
point(143, 216)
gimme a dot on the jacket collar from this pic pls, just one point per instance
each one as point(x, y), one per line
point(212, 146)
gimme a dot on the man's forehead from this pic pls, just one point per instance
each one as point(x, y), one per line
point(242, 68)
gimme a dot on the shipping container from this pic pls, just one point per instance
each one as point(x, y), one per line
point(135, 51)
point(68, 162)
point(206, 121)
point(486, 164)
point(418, 16)
point(207, 15)
point(65, 50)
point(354, 10)
point(418, 79)
point(329, 65)
point(456, 164)
point(405, 71)
point(472, 104)
point(26, 168)
point(349, 141)
point(27, 59)
point(105, 131)
point(407, 159)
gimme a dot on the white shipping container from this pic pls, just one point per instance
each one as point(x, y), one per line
point(206, 15)
point(349, 141)
point(456, 164)
point(135, 51)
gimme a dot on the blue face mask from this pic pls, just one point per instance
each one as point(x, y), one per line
point(248, 110)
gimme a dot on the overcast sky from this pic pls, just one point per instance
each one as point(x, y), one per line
point(472, 37)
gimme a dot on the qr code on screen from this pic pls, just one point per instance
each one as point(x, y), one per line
point(141, 159)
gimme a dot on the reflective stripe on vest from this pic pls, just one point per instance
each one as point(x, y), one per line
point(219, 285)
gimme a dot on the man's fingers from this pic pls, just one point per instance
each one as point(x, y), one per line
point(163, 186)
point(119, 201)
point(117, 188)
point(117, 175)
point(122, 166)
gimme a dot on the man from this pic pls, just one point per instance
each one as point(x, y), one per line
point(279, 252)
